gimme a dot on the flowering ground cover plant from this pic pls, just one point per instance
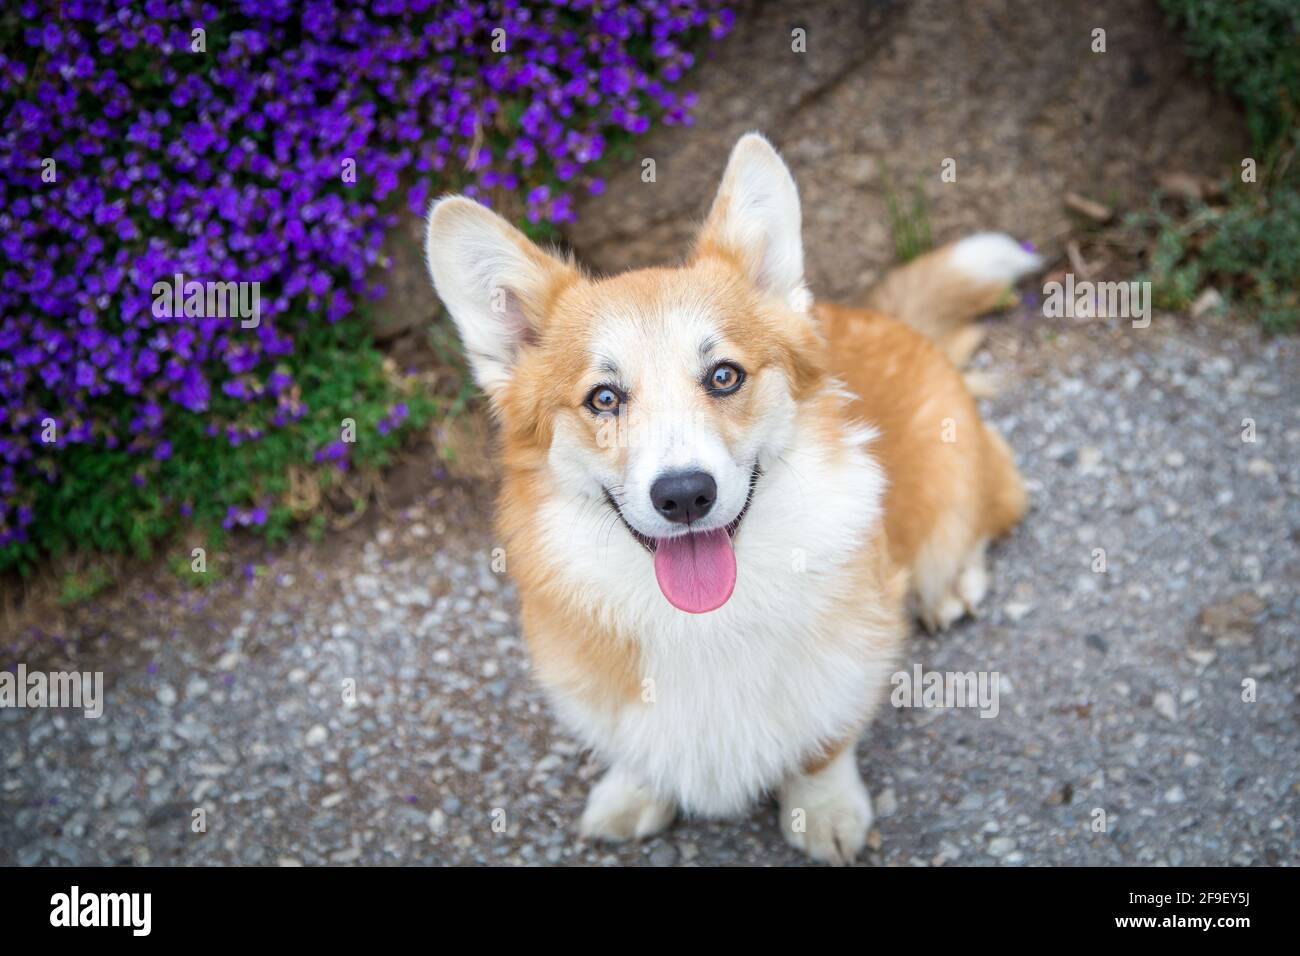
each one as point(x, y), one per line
point(161, 160)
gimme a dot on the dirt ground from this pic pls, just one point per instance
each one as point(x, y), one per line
point(1008, 89)
point(1122, 691)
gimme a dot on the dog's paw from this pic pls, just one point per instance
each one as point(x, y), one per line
point(943, 613)
point(619, 809)
point(828, 814)
point(973, 584)
point(961, 598)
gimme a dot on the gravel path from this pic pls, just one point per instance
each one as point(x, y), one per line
point(1120, 691)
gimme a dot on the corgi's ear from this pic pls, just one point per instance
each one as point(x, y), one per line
point(495, 283)
point(755, 221)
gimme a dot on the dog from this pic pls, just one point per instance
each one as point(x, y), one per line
point(723, 503)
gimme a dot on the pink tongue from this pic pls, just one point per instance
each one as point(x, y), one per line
point(696, 572)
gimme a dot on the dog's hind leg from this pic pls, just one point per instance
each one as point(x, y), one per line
point(951, 582)
point(950, 575)
point(1004, 491)
point(973, 581)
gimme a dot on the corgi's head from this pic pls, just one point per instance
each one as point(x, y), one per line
point(660, 394)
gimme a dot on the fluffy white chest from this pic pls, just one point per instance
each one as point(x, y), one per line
point(726, 716)
point(733, 700)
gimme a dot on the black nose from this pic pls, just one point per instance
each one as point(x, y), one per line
point(684, 496)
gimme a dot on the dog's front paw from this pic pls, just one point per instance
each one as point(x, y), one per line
point(619, 808)
point(827, 814)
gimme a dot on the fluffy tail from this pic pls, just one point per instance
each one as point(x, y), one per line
point(942, 292)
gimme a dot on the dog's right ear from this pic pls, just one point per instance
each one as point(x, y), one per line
point(494, 281)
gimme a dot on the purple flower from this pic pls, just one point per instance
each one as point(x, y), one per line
point(268, 158)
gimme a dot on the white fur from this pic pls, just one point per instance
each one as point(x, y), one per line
point(669, 426)
point(762, 219)
point(742, 694)
point(827, 814)
point(484, 271)
point(735, 700)
point(621, 808)
point(992, 257)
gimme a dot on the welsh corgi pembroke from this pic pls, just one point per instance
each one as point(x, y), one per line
point(722, 504)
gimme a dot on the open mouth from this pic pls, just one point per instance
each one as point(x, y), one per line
point(696, 571)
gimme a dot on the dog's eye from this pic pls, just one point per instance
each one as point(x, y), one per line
point(724, 379)
point(604, 399)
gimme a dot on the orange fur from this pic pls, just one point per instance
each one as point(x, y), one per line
point(916, 397)
point(939, 302)
point(771, 687)
point(950, 495)
point(578, 655)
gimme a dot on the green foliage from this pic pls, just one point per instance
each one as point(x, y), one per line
point(909, 223)
point(1248, 247)
point(101, 507)
point(1258, 243)
point(1252, 49)
point(84, 585)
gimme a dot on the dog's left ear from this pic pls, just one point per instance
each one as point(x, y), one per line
point(755, 222)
